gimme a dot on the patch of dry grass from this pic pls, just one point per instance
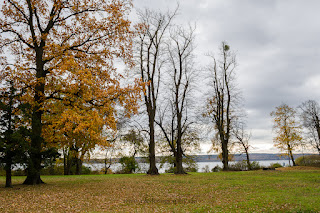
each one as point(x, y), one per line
point(259, 191)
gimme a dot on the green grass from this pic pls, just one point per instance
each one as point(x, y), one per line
point(256, 191)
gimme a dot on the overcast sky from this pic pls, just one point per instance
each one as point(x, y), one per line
point(278, 51)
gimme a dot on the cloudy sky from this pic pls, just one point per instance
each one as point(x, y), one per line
point(277, 45)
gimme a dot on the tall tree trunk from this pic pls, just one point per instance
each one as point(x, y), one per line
point(153, 170)
point(152, 155)
point(34, 167)
point(225, 156)
point(8, 171)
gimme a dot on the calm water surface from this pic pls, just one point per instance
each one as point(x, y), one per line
point(201, 165)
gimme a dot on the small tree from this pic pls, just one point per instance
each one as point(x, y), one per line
point(13, 135)
point(242, 141)
point(287, 129)
point(133, 142)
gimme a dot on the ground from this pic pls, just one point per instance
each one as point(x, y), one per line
point(254, 191)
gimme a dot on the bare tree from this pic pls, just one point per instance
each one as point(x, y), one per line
point(310, 115)
point(150, 46)
point(181, 74)
point(222, 105)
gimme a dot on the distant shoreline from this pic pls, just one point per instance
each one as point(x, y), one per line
point(214, 158)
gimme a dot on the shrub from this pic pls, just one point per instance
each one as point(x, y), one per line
point(129, 165)
point(275, 165)
point(189, 164)
point(216, 169)
point(239, 166)
point(206, 169)
point(191, 169)
point(243, 166)
point(309, 160)
point(255, 165)
point(2, 172)
point(169, 170)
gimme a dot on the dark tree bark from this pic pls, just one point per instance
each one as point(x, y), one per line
point(34, 166)
point(291, 155)
point(8, 171)
point(78, 163)
point(153, 170)
point(248, 159)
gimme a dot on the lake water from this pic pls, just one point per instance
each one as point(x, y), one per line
point(201, 165)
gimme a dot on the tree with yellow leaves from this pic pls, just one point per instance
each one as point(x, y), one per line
point(64, 52)
point(287, 129)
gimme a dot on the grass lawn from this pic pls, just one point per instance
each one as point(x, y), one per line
point(254, 191)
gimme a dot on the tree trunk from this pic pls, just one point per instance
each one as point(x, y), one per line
point(67, 161)
point(248, 159)
point(78, 166)
point(318, 132)
point(8, 171)
point(225, 156)
point(292, 159)
point(64, 164)
point(179, 169)
point(152, 156)
point(106, 168)
point(34, 167)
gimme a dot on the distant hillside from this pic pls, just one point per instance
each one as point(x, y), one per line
point(253, 157)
